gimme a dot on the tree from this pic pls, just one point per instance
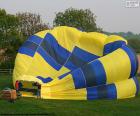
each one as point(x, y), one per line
point(8, 36)
point(8, 24)
point(135, 44)
point(30, 23)
point(81, 19)
point(13, 31)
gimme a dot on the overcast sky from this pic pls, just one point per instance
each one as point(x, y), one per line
point(112, 15)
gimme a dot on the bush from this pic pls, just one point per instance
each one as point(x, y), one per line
point(135, 44)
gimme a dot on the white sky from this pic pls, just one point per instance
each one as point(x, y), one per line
point(112, 15)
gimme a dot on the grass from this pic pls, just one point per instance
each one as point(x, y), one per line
point(30, 106)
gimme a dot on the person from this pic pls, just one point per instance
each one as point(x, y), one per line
point(38, 89)
point(18, 86)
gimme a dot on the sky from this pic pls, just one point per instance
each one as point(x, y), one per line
point(112, 15)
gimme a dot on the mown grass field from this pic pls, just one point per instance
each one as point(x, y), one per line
point(127, 107)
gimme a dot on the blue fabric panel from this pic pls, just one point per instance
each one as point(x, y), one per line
point(112, 92)
point(78, 62)
point(55, 45)
point(44, 80)
point(30, 45)
point(26, 51)
point(137, 85)
point(78, 78)
point(28, 48)
point(94, 73)
point(51, 51)
point(102, 91)
point(133, 60)
point(70, 65)
point(64, 75)
point(48, 58)
point(84, 55)
point(100, 73)
point(110, 47)
point(35, 39)
point(90, 76)
point(92, 93)
point(78, 58)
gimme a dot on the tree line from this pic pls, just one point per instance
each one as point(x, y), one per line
point(15, 29)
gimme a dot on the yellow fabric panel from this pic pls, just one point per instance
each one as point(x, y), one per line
point(22, 64)
point(75, 94)
point(28, 84)
point(126, 89)
point(63, 89)
point(113, 38)
point(92, 42)
point(61, 85)
point(42, 34)
point(117, 66)
point(79, 94)
point(67, 37)
point(62, 71)
point(40, 67)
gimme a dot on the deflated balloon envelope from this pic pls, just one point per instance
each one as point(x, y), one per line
point(70, 64)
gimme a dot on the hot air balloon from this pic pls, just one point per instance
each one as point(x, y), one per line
point(66, 63)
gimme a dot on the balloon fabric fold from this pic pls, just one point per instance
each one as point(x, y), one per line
point(75, 65)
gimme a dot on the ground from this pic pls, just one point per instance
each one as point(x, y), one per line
point(33, 106)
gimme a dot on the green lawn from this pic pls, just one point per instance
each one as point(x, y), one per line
point(125, 107)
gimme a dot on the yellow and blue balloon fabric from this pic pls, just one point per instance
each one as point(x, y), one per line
point(75, 65)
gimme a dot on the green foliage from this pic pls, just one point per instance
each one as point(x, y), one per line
point(8, 25)
point(9, 38)
point(30, 23)
point(7, 65)
point(126, 35)
point(13, 31)
point(133, 39)
point(135, 44)
point(81, 19)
